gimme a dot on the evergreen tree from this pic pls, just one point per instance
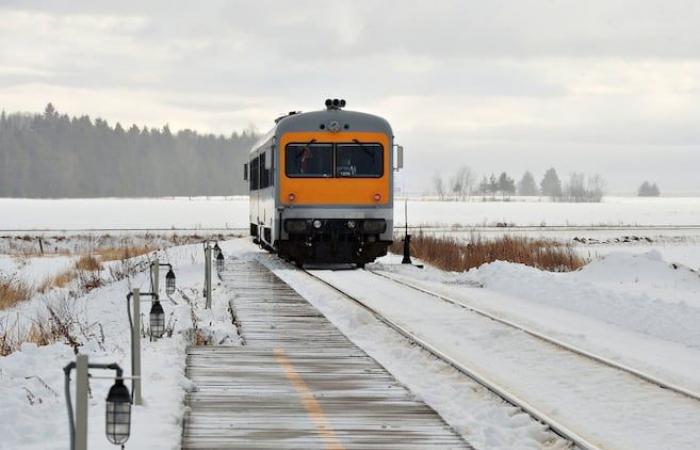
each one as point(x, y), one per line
point(52, 155)
point(527, 185)
point(506, 185)
point(648, 189)
point(551, 185)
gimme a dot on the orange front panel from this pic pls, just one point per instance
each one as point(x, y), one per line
point(335, 191)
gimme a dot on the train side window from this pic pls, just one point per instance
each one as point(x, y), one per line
point(359, 160)
point(271, 170)
point(254, 174)
point(309, 160)
point(263, 171)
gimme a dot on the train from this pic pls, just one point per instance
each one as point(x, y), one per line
point(321, 186)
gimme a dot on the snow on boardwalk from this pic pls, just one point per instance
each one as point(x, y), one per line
point(298, 382)
point(608, 407)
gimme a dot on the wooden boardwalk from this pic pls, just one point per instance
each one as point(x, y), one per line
point(298, 382)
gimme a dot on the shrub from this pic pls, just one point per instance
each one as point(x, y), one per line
point(12, 292)
point(89, 263)
point(121, 253)
point(457, 255)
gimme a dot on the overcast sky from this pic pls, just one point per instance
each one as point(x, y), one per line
point(609, 87)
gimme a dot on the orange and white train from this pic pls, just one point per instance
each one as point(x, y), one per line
point(321, 186)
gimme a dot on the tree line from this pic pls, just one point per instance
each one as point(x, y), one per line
point(53, 155)
point(463, 184)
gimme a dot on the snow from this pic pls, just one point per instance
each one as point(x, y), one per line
point(637, 303)
point(33, 415)
point(582, 394)
point(232, 212)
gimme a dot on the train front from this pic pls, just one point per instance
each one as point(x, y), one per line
point(335, 201)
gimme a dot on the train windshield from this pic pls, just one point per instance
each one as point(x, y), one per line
point(359, 160)
point(309, 160)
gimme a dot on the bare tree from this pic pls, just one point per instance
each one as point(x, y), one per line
point(439, 185)
point(463, 182)
point(582, 189)
point(596, 188)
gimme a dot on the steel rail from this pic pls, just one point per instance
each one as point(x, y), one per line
point(554, 341)
point(558, 428)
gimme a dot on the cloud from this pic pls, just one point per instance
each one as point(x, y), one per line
point(462, 79)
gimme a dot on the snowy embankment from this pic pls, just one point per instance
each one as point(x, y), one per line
point(601, 303)
point(33, 413)
point(634, 308)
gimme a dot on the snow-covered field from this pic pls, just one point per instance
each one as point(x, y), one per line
point(634, 304)
point(232, 212)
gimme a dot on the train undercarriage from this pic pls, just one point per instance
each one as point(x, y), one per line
point(331, 241)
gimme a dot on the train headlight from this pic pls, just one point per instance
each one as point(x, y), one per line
point(374, 226)
point(351, 224)
point(317, 224)
point(295, 226)
point(377, 197)
point(292, 197)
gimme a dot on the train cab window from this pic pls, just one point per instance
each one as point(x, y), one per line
point(309, 160)
point(359, 160)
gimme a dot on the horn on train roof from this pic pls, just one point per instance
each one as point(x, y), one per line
point(335, 103)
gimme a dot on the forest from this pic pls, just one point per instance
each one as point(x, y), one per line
point(52, 155)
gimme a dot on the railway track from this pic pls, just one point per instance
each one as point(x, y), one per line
point(561, 344)
point(500, 389)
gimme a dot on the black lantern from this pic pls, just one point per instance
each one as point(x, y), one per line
point(170, 282)
point(217, 249)
point(157, 320)
point(220, 262)
point(118, 417)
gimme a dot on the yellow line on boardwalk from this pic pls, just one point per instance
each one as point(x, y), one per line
point(313, 408)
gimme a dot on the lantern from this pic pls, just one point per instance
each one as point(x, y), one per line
point(217, 249)
point(157, 320)
point(220, 262)
point(170, 282)
point(118, 413)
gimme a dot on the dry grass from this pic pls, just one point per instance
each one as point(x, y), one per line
point(63, 324)
point(121, 253)
point(457, 255)
point(57, 281)
point(12, 292)
point(88, 262)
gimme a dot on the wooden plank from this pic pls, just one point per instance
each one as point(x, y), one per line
point(298, 383)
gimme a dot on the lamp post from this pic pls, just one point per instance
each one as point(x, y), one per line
point(117, 410)
point(136, 339)
point(207, 273)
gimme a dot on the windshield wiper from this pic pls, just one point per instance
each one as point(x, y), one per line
point(362, 146)
point(305, 147)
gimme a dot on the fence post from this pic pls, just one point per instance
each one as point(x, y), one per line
point(136, 349)
point(207, 274)
point(81, 402)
